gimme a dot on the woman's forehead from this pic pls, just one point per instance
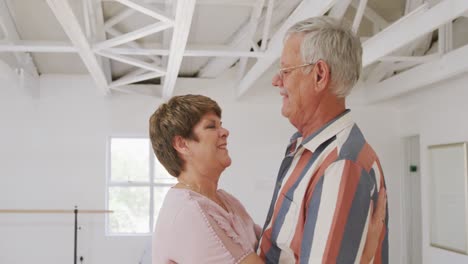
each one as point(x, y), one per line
point(210, 116)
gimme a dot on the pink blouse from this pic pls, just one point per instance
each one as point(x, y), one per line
point(193, 229)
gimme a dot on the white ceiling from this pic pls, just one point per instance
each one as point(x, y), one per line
point(83, 37)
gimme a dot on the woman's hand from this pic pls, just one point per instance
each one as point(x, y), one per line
point(375, 227)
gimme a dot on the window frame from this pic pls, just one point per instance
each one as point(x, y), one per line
point(151, 184)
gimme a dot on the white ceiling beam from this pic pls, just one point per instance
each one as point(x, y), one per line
point(133, 44)
point(130, 36)
point(184, 14)
point(135, 72)
point(204, 2)
point(411, 5)
point(450, 65)
point(134, 79)
point(420, 46)
point(118, 18)
point(131, 61)
point(87, 18)
point(267, 25)
point(240, 41)
point(123, 38)
point(359, 14)
point(139, 89)
point(170, 8)
point(242, 68)
point(445, 38)
point(404, 65)
point(418, 59)
point(384, 70)
point(226, 2)
point(372, 16)
point(253, 25)
point(71, 26)
point(146, 9)
point(391, 64)
point(99, 34)
point(190, 52)
point(306, 9)
point(339, 9)
point(416, 24)
point(23, 59)
point(254, 22)
point(215, 66)
point(254, 46)
point(378, 73)
point(37, 46)
point(65, 47)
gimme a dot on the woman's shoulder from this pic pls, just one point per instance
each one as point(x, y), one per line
point(188, 200)
point(192, 205)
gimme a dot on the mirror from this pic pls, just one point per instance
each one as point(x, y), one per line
point(448, 204)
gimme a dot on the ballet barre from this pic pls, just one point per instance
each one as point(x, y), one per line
point(59, 211)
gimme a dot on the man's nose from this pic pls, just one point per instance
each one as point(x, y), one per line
point(277, 81)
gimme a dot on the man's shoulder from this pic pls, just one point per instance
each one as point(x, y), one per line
point(353, 147)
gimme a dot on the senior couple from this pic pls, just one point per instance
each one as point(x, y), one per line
point(329, 204)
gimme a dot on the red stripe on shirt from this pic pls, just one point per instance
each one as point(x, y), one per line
point(299, 232)
point(266, 243)
point(366, 157)
point(348, 186)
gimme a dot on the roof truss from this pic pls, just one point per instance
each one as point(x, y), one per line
point(444, 64)
point(64, 14)
point(307, 8)
point(27, 68)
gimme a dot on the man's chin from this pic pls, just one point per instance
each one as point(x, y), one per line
point(284, 112)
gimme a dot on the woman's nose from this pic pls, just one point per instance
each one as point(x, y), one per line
point(224, 132)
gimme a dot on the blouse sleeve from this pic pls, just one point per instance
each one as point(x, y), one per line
point(199, 239)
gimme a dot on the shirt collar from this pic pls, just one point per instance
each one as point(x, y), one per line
point(327, 131)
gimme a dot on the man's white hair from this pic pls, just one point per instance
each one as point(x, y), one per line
point(331, 40)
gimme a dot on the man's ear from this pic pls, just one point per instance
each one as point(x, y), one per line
point(180, 145)
point(322, 75)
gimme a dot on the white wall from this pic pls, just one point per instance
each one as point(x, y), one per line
point(52, 156)
point(53, 151)
point(438, 114)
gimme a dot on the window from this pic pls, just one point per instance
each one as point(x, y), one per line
point(137, 185)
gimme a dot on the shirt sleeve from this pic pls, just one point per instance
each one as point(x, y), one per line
point(337, 215)
point(198, 239)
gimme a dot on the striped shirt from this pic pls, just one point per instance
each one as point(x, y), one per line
point(320, 211)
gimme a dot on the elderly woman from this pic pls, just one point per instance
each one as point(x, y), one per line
point(198, 223)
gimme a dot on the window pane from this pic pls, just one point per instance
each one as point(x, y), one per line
point(159, 195)
point(161, 175)
point(131, 209)
point(130, 159)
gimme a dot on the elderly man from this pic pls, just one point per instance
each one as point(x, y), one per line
point(330, 178)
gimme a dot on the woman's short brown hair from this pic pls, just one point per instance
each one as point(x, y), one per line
point(177, 117)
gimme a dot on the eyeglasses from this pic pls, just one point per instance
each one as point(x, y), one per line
point(283, 71)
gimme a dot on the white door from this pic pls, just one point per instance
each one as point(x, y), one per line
point(412, 201)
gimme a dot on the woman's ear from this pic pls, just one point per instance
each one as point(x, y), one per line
point(180, 145)
point(322, 75)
